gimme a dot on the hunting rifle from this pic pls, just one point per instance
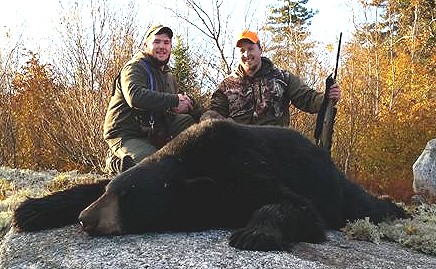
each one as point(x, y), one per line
point(326, 115)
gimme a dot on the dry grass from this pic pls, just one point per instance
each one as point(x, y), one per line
point(16, 185)
point(418, 232)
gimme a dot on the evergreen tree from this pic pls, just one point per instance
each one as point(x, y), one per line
point(183, 68)
point(185, 73)
point(291, 50)
point(288, 24)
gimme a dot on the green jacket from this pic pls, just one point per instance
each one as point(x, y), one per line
point(263, 99)
point(132, 101)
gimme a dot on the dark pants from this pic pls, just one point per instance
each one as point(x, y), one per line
point(141, 147)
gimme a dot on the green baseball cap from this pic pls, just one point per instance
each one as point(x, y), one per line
point(157, 30)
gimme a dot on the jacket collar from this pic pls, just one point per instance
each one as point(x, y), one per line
point(266, 67)
point(153, 62)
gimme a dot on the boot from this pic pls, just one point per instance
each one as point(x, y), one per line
point(115, 165)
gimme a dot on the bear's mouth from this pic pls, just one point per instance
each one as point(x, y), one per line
point(97, 233)
point(102, 216)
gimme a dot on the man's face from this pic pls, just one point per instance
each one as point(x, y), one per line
point(159, 46)
point(250, 57)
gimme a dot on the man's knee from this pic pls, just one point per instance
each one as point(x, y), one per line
point(136, 148)
point(180, 123)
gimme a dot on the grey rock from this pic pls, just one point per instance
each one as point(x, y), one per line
point(424, 172)
point(70, 247)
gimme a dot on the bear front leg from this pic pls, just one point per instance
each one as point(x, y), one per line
point(280, 226)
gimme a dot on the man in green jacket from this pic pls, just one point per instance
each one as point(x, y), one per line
point(145, 109)
point(259, 93)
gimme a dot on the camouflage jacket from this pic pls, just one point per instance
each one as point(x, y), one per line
point(262, 99)
point(133, 101)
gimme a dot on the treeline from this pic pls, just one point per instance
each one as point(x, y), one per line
point(51, 112)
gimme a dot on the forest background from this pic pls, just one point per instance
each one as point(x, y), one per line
point(52, 104)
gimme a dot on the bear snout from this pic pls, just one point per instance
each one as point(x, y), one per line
point(102, 217)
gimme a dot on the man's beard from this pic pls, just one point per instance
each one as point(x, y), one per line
point(250, 68)
point(161, 63)
point(158, 62)
point(253, 67)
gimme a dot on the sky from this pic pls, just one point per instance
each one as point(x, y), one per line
point(34, 22)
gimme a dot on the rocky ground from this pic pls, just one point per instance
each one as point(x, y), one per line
point(70, 247)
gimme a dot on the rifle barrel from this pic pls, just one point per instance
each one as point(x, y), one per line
point(337, 55)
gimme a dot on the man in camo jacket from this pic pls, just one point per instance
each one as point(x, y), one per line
point(259, 93)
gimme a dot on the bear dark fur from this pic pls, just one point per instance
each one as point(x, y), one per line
point(58, 210)
point(270, 184)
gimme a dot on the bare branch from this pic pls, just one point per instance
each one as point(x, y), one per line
point(209, 26)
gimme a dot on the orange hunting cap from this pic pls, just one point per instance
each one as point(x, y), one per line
point(247, 35)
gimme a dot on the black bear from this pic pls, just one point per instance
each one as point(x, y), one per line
point(270, 184)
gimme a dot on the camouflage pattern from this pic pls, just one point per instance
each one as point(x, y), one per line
point(263, 99)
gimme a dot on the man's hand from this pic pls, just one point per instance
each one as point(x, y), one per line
point(335, 93)
point(185, 104)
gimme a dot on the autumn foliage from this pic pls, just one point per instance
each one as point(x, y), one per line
point(51, 116)
point(387, 113)
point(53, 126)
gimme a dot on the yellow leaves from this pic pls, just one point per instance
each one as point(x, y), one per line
point(330, 48)
point(388, 108)
point(29, 107)
point(401, 117)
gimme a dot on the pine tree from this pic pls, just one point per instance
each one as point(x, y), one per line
point(183, 69)
point(288, 25)
point(185, 73)
point(291, 50)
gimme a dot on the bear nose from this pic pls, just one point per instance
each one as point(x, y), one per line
point(88, 225)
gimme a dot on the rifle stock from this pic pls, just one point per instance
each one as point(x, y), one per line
point(327, 113)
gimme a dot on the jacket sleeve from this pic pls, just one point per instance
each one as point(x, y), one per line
point(135, 85)
point(302, 96)
point(219, 106)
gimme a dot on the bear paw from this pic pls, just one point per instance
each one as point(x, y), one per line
point(257, 239)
